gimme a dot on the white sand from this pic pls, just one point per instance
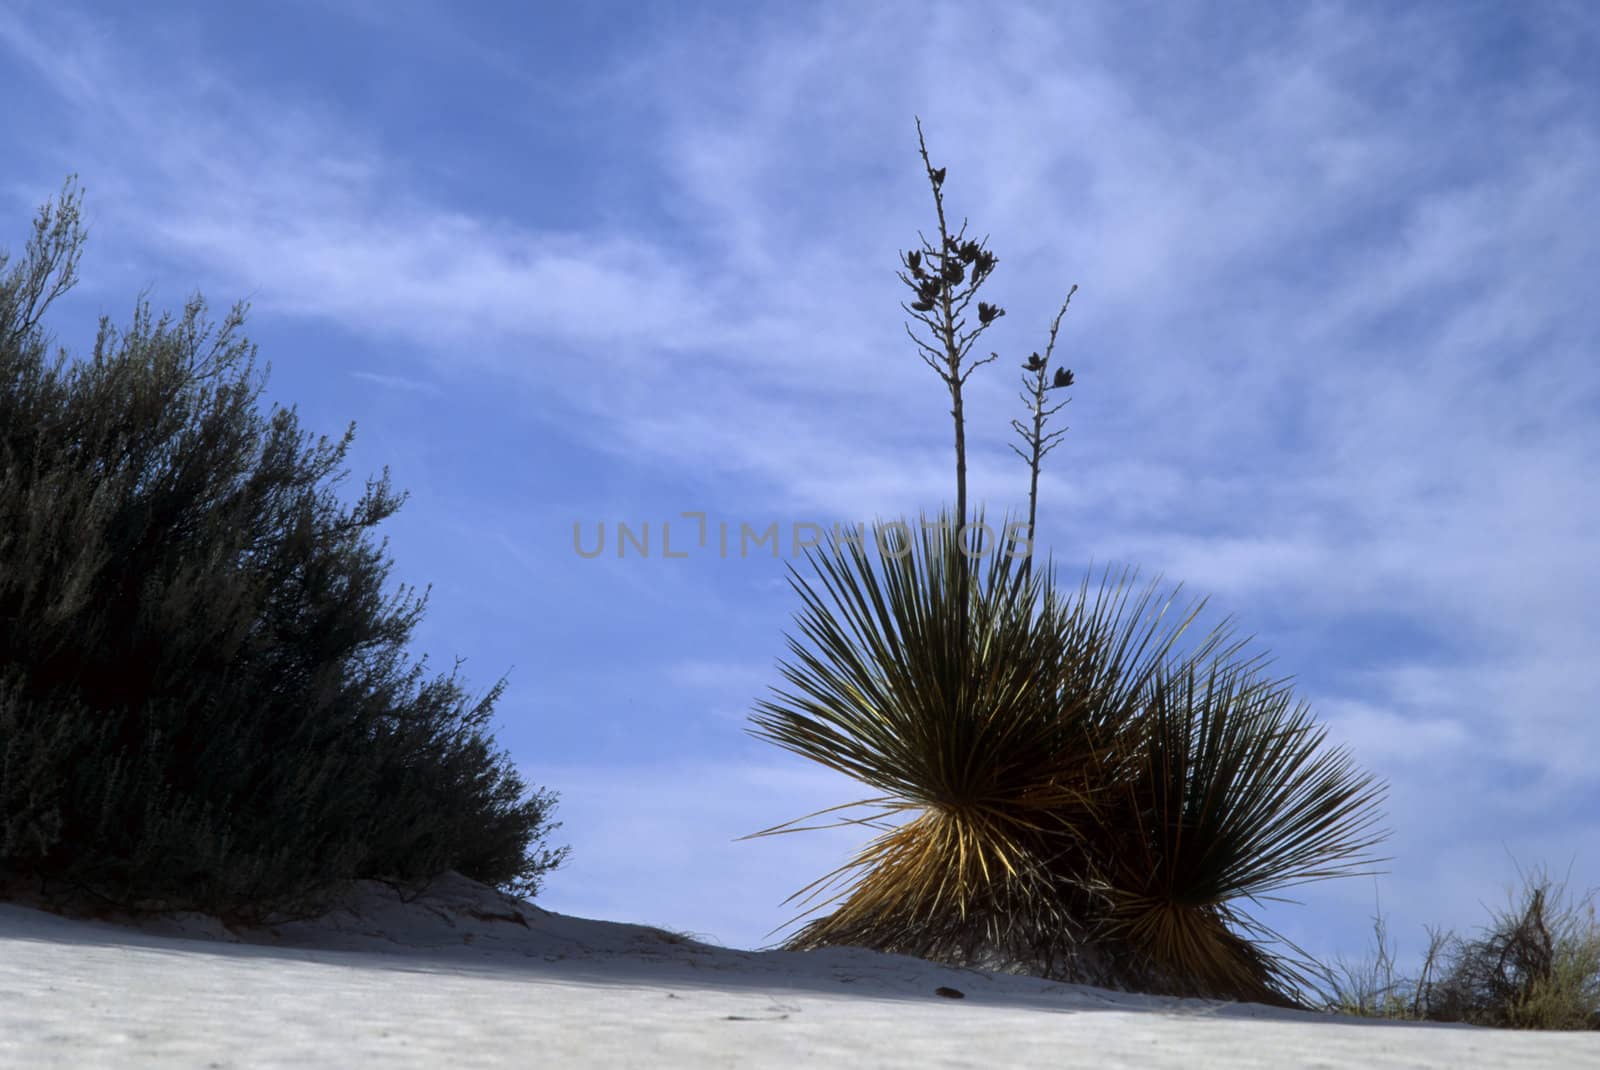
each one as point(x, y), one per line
point(464, 977)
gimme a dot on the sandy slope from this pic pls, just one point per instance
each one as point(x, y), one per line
point(466, 977)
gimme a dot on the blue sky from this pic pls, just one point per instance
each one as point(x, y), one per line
point(1335, 346)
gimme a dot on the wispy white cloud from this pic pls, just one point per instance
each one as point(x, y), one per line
point(719, 676)
point(397, 382)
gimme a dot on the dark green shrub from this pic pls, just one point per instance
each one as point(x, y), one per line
point(204, 702)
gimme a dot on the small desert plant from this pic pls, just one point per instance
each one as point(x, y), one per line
point(676, 937)
point(203, 698)
point(1373, 988)
point(1089, 805)
point(1536, 966)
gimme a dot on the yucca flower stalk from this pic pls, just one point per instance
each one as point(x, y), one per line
point(933, 274)
point(1033, 434)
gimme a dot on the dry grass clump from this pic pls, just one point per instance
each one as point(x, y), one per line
point(1535, 966)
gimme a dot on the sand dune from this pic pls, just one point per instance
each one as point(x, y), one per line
point(465, 977)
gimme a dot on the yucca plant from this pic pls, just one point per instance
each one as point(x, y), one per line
point(1081, 800)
